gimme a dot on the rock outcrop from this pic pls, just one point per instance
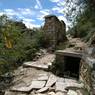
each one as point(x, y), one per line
point(55, 30)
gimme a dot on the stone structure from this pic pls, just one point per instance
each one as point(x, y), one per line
point(68, 61)
point(55, 30)
point(79, 65)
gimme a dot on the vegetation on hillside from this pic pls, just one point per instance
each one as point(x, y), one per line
point(84, 22)
point(17, 43)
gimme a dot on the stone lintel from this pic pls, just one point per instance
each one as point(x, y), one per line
point(69, 53)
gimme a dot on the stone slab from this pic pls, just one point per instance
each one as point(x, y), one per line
point(21, 89)
point(52, 79)
point(43, 89)
point(69, 53)
point(38, 84)
point(34, 85)
point(35, 65)
point(60, 86)
point(43, 77)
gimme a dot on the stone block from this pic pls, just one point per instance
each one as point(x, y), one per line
point(52, 79)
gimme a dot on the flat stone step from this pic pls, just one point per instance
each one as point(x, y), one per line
point(34, 85)
point(35, 65)
point(62, 84)
point(52, 79)
point(41, 63)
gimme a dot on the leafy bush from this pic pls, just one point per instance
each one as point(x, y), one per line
point(17, 44)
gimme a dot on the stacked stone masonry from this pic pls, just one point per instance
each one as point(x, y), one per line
point(54, 29)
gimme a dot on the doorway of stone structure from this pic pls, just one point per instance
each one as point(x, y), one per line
point(71, 66)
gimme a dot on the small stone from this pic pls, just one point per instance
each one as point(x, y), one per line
point(52, 79)
point(51, 93)
point(72, 92)
point(49, 63)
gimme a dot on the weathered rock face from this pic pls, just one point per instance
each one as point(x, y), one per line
point(55, 30)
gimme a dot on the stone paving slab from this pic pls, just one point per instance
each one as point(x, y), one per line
point(63, 83)
point(22, 89)
point(38, 84)
point(52, 79)
point(34, 85)
point(60, 86)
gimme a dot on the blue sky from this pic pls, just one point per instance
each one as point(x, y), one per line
point(32, 12)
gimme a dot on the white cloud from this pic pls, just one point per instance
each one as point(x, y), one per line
point(54, 0)
point(10, 12)
point(65, 20)
point(30, 25)
point(26, 11)
point(1, 13)
point(45, 12)
point(42, 14)
point(61, 3)
point(38, 5)
point(28, 20)
point(58, 9)
point(24, 14)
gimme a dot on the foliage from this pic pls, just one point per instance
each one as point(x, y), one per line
point(17, 43)
point(84, 23)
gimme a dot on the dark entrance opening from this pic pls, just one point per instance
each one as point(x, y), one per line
point(71, 66)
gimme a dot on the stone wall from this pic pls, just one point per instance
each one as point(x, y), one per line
point(87, 70)
point(55, 29)
point(85, 75)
